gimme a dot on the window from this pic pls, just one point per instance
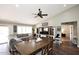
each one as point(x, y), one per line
point(4, 32)
point(45, 29)
point(24, 29)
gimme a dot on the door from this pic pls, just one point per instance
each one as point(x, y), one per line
point(71, 32)
point(4, 32)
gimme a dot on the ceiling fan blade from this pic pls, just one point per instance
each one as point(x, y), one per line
point(41, 16)
point(36, 16)
point(44, 14)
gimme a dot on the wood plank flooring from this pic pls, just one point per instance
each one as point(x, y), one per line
point(66, 48)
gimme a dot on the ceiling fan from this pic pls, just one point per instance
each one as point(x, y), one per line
point(40, 14)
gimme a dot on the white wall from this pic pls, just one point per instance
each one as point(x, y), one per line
point(66, 16)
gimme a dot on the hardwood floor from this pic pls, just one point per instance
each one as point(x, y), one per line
point(66, 48)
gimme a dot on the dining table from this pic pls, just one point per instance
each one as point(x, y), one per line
point(31, 46)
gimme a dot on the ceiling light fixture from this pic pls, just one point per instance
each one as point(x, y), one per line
point(17, 5)
point(65, 5)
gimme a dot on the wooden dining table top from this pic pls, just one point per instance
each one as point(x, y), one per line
point(31, 46)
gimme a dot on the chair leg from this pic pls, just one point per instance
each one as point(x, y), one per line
point(14, 52)
point(44, 50)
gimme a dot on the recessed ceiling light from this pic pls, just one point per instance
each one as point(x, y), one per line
point(17, 5)
point(65, 5)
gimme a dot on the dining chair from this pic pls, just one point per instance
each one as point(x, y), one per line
point(48, 49)
point(12, 48)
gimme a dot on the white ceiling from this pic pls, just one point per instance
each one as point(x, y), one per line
point(24, 12)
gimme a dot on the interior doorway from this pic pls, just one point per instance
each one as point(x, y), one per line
point(69, 32)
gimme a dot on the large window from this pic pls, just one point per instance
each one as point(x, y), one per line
point(24, 29)
point(4, 32)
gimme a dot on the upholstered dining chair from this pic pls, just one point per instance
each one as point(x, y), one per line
point(12, 48)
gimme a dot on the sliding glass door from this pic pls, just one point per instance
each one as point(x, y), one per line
point(4, 32)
